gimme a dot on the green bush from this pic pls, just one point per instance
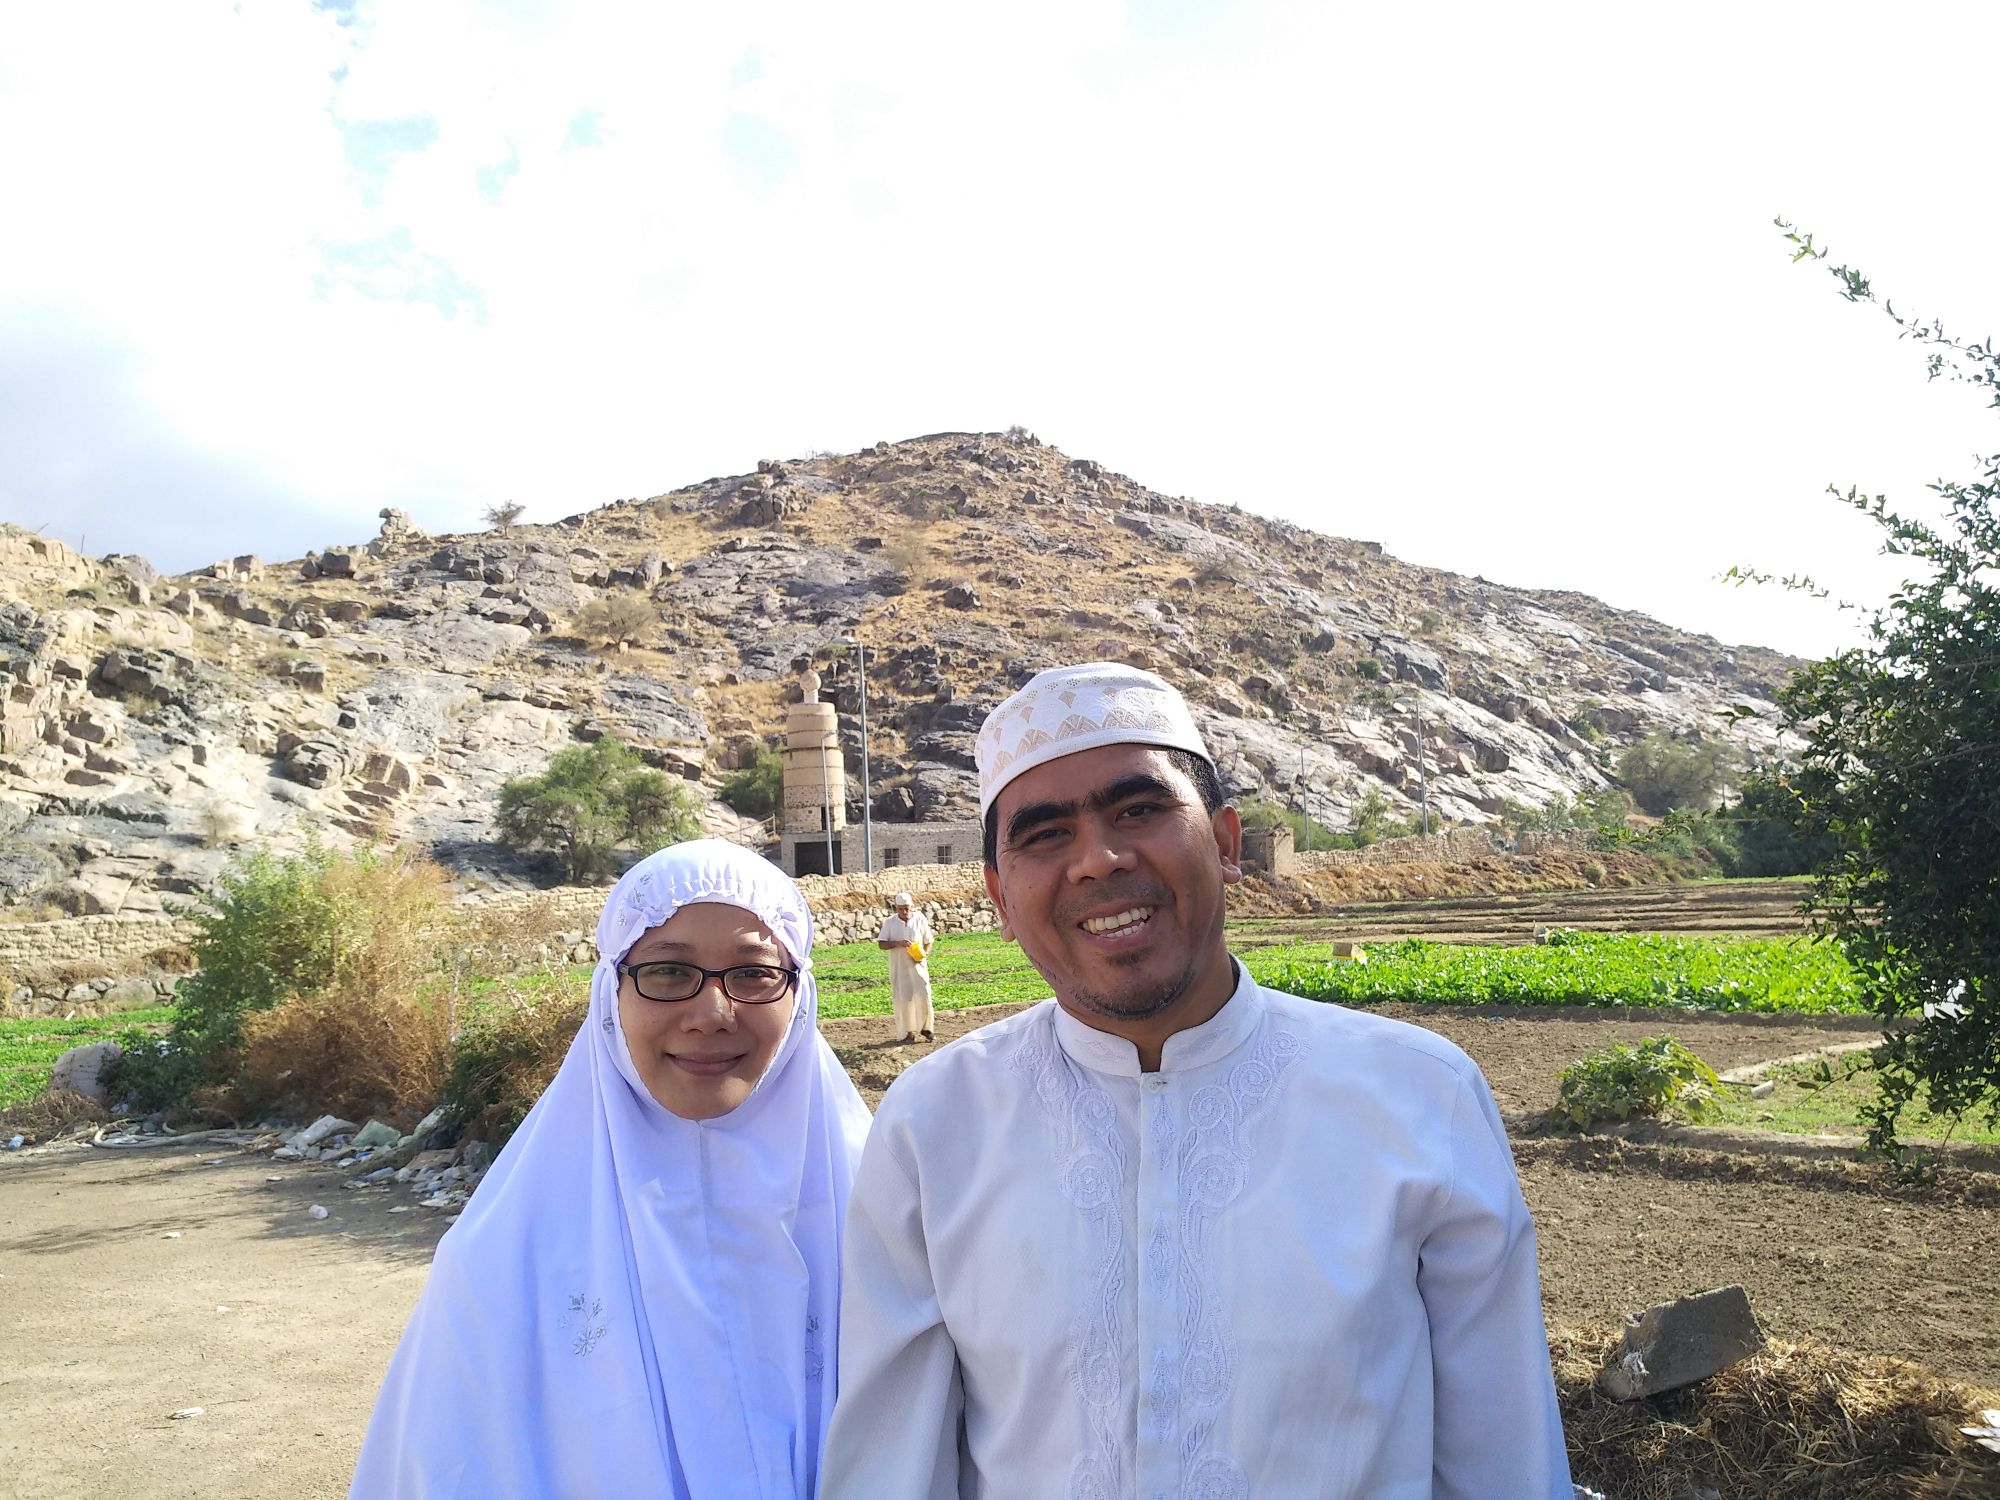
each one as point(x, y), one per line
point(1369, 669)
point(1593, 810)
point(593, 800)
point(276, 929)
point(1663, 773)
point(1654, 1077)
point(758, 789)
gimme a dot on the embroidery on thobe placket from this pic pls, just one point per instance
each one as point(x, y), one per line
point(1214, 1164)
point(1092, 1157)
point(584, 1313)
point(815, 1366)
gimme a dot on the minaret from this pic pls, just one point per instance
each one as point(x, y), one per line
point(815, 778)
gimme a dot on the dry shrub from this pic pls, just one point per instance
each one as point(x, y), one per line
point(358, 1054)
point(509, 1049)
point(374, 1037)
point(1794, 1422)
point(51, 1113)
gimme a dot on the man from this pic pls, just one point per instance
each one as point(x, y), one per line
point(906, 934)
point(1172, 1234)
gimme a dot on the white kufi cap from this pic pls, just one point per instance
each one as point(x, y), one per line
point(1066, 710)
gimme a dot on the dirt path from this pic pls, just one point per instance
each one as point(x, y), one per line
point(106, 1326)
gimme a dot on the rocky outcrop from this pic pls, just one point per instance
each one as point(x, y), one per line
point(150, 725)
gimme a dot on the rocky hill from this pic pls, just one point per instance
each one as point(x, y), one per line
point(150, 724)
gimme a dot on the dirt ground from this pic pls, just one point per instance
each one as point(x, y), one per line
point(279, 1325)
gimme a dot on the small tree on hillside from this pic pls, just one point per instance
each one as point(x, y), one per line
point(1901, 771)
point(1663, 773)
point(594, 800)
point(614, 620)
point(504, 515)
point(758, 789)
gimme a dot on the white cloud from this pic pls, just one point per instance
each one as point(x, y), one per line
point(1493, 285)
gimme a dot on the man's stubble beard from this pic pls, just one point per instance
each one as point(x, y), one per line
point(1141, 1007)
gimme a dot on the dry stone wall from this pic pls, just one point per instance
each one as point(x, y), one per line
point(91, 965)
point(1452, 847)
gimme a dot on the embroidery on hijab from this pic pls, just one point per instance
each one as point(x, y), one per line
point(585, 1314)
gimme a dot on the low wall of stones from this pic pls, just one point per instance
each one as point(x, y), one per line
point(1453, 847)
point(95, 965)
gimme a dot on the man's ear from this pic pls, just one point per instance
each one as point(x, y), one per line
point(1229, 842)
point(993, 889)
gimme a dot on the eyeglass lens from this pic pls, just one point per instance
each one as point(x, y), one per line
point(747, 984)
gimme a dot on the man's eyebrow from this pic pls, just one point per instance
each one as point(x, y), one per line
point(1139, 784)
point(1027, 819)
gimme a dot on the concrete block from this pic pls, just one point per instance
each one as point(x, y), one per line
point(1674, 1344)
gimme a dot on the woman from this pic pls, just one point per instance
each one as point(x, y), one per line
point(640, 1298)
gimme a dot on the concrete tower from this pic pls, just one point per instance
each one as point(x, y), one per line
point(815, 781)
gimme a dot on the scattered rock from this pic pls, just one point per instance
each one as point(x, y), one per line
point(1673, 1344)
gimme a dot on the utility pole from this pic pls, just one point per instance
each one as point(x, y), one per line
point(1423, 778)
point(1305, 806)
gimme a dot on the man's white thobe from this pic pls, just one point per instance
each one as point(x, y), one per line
point(909, 980)
point(1294, 1262)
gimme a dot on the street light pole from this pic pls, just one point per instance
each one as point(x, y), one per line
point(1305, 806)
point(1423, 778)
point(867, 821)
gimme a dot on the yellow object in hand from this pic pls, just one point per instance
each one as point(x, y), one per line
point(916, 952)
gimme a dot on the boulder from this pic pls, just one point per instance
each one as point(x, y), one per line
point(1674, 1344)
point(81, 1069)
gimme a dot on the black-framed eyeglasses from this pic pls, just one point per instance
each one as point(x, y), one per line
point(746, 984)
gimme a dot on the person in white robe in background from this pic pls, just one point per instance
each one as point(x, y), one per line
point(1172, 1235)
point(641, 1299)
point(903, 929)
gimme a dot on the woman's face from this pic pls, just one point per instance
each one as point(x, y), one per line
point(701, 1057)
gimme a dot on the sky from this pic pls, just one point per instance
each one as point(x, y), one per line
point(1494, 285)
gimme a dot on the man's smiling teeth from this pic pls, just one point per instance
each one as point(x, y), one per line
point(1132, 918)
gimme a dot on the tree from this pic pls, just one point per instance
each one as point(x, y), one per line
point(1663, 773)
point(614, 620)
point(758, 789)
point(1901, 773)
point(504, 514)
point(593, 800)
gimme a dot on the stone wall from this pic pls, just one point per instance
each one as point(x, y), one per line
point(80, 965)
point(1453, 847)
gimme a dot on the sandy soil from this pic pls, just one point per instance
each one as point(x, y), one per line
point(106, 1326)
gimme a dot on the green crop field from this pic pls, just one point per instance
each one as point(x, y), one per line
point(29, 1049)
point(1578, 968)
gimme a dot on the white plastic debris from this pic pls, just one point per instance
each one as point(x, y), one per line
point(17, 1143)
point(184, 1413)
point(171, 1234)
point(1763, 1090)
point(1988, 1436)
point(317, 1211)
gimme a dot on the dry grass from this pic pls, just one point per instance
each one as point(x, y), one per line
point(510, 1050)
point(1794, 1422)
point(50, 1114)
point(358, 1053)
point(373, 1040)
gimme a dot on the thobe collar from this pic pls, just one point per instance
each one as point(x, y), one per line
point(1196, 1047)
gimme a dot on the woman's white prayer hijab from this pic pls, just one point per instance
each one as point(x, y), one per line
point(634, 1304)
